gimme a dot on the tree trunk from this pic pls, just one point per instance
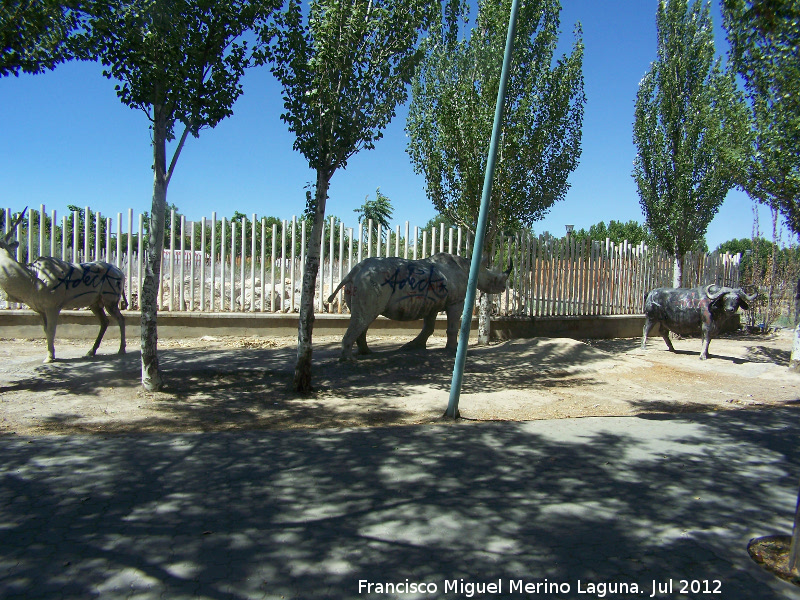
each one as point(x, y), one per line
point(794, 548)
point(302, 369)
point(794, 360)
point(151, 375)
point(677, 273)
point(484, 320)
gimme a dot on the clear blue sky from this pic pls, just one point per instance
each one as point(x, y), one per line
point(67, 139)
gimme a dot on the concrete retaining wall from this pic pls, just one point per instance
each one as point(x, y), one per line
point(79, 324)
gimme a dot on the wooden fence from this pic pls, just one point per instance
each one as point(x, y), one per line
point(217, 265)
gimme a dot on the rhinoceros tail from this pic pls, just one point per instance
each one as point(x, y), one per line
point(338, 287)
point(123, 303)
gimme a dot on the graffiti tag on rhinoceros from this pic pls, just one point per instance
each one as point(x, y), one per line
point(419, 283)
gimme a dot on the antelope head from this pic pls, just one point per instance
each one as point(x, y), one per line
point(8, 243)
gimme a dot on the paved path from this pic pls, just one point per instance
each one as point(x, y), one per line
point(310, 514)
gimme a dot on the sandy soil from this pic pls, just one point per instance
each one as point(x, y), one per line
point(244, 383)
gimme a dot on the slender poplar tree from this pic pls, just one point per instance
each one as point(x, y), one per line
point(452, 111)
point(690, 130)
point(763, 39)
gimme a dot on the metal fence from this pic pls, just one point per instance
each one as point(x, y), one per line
point(256, 265)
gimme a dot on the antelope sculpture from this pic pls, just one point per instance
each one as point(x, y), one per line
point(48, 285)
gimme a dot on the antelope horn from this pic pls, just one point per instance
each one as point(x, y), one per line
point(13, 228)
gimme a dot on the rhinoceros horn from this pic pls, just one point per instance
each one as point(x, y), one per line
point(13, 229)
point(510, 267)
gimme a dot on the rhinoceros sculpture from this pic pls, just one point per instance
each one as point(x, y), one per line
point(691, 311)
point(406, 290)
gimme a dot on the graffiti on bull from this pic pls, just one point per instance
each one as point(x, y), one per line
point(417, 283)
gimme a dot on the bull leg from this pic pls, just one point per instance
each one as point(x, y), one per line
point(98, 311)
point(665, 335)
point(706, 342)
point(49, 322)
point(421, 341)
point(113, 309)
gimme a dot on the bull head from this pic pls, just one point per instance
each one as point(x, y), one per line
point(720, 292)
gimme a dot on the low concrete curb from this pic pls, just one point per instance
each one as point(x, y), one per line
point(82, 324)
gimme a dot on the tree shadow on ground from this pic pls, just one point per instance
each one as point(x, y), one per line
point(210, 389)
point(764, 354)
point(216, 389)
point(233, 516)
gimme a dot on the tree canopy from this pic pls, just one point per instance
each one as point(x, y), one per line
point(452, 110)
point(763, 47)
point(34, 34)
point(617, 231)
point(379, 210)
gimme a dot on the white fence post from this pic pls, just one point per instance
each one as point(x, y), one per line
point(272, 268)
point(233, 265)
point(292, 271)
point(223, 232)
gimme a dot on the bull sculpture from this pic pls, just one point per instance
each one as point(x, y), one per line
point(48, 285)
point(406, 290)
point(684, 311)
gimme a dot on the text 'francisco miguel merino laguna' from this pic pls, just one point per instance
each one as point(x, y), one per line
point(468, 589)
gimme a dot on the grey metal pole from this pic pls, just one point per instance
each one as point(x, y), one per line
point(483, 215)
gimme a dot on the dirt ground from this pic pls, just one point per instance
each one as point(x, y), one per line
point(244, 383)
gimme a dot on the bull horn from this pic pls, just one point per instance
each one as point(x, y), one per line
point(13, 228)
point(722, 290)
point(510, 267)
point(748, 299)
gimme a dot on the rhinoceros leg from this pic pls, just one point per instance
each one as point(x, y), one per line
point(454, 312)
point(49, 322)
point(361, 341)
point(648, 327)
point(113, 310)
point(356, 333)
point(421, 341)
